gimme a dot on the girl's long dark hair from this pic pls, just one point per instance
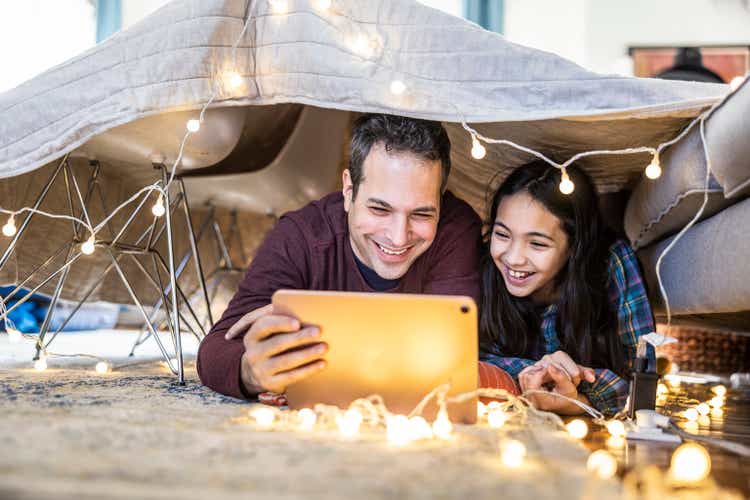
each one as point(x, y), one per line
point(586, 321)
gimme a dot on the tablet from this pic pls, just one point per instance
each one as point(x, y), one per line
point(400, 346)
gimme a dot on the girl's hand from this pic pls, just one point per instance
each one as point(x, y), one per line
point(537, 377)
point(562, 361)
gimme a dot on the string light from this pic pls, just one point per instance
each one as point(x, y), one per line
point(566, 185)
point(690, 463)
point(615, 442)
point(662, 389)
point(349, 423)
point(307, 419)
point(193, 125)
point(14, 336)
point(478, 151)
point(419, 428)
point(264, 417)
point(691, 414)
point(719, 390)
point(88, 246)
point(442, 426)
point(716, 402)
point(577, 428)
point(362, 46)
point(279, 6)
point(40, 364)
point(735, 83)
point(512, 453)
point(323, 4)
point(703, 409)
point(398, 87)
point(717, 413)
point(234, 79)
point(653, 171)
point(616, 428)
point(9, 229)
point(481, 409)
point(158, 209)
point(397, 430)
point(704, 421)
point(602, 463)
point(102, 367)
point(496, 418)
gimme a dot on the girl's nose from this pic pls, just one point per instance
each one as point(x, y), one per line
point(514, 256)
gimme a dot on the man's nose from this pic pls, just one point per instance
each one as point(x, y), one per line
point(399, 231)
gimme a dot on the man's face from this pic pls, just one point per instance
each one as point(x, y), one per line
point(394, 217)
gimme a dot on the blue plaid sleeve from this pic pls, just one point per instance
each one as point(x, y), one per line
point(609, 391)
point(511, 365)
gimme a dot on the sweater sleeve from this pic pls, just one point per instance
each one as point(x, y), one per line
point(282, 261)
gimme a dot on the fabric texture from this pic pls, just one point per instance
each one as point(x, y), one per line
point(660, 208)
point(309, 249)
point(627, 294)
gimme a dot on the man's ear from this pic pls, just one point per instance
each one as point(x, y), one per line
point(347, 190)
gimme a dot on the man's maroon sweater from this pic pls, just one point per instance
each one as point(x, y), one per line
point(309, 249)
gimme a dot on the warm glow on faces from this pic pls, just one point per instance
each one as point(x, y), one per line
point(529, 247)
point(394, 217)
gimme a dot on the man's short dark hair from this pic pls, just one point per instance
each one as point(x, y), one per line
point(422, 138)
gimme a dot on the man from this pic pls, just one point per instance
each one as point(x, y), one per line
point(393, 228)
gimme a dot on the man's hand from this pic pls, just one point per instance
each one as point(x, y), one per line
point(278, 351)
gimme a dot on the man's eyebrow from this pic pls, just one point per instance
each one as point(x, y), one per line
point(385, 204)
point(532, 233)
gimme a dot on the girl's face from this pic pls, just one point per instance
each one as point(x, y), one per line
point(529, 247)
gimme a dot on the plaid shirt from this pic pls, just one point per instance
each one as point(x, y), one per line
point(609, 391)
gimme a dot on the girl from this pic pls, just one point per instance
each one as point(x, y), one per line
point(563, 302)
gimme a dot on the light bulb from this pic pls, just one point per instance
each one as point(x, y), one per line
point(398, 87)
point(691, 414)
point(704, 421)
point(616, 428)
point(566, 185)
point(577, 428)
point(735, 83)
point(512, 453)
point(397, 430)
point(717, 413)
point(662, 389)
point(615, 442)
point(88, 246)
point(442, 426)
point(690, 463)
point(102, 367)
point(14, 336)
point(653, 171)
point(324, 4)
point(279, 6)
point(703, 409)
point(481, 409)
point(419, 428)
point(9, 229)
point(40, 364)
point(349, 423)
point(234, 79)
point(719, 390)
point(264, 417)
point(158, 209)
point(496, 418)
point(477, 150)
point(602, 463)
point(307, 419)
point(716, 402)
point(362, 46)
point(193, 125)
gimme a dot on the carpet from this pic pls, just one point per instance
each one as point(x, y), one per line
point(134, 433)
